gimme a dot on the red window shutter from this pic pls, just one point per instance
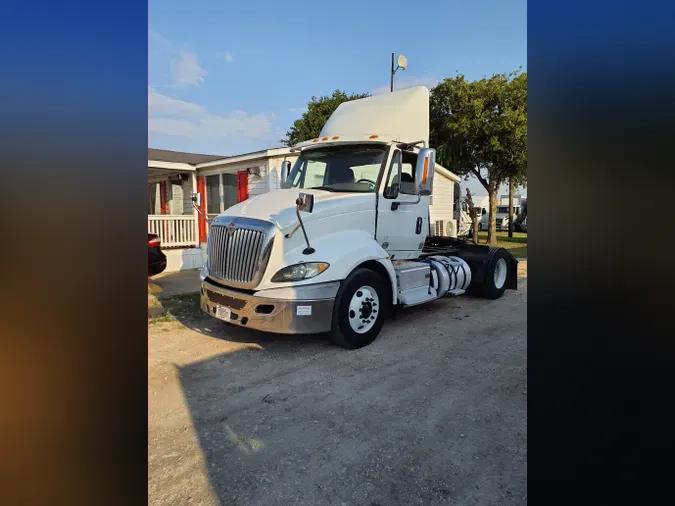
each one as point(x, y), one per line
point(163, 204)
point(242, 185)
point(201, 189)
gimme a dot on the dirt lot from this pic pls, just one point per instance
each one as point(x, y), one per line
point(433, 412)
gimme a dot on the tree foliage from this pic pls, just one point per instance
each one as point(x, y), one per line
point(318, 111)
point(479, 128)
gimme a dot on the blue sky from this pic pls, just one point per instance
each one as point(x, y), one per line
point(229, 78)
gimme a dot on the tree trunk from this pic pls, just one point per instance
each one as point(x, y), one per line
point(510, 208)
point(492, 221)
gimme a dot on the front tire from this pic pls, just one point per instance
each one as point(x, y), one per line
point(359, 310)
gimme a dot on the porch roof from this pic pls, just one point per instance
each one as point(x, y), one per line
point(163, 162)
point(165, 155)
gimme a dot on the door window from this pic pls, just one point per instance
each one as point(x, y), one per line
point(392, 188)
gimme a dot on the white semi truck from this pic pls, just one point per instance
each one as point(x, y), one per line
point(347, 238)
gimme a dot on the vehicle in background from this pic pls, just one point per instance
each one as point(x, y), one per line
point(520, 223)
point(502, 220)
point(156, 257)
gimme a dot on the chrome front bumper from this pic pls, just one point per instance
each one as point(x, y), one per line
point(282, 316)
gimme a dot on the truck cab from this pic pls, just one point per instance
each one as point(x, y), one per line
point(347, 236)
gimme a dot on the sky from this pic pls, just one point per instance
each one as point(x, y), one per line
point(228, 78)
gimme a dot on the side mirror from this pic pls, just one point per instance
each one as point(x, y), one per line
point(424, 171)
point(305, 202)
point(285, 169)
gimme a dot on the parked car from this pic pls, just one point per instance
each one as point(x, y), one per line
point(156, 257)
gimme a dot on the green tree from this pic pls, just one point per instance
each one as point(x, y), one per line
point(479, 128)
point(318, 111)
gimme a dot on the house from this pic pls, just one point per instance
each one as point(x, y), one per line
point(223, 181)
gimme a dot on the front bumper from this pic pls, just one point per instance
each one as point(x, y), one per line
point(281, 316)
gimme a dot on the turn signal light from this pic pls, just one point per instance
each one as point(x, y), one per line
point(373, 137)
point(426, 170)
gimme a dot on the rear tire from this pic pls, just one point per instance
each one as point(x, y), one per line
point(496, 275)
point(360, 308)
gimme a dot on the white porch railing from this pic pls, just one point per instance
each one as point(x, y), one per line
point(175, 231)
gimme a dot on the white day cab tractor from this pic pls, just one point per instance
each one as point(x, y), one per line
point(347, 237)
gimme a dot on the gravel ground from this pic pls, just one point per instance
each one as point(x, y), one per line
point(433, 412)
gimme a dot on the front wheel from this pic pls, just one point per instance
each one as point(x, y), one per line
point(359, 311)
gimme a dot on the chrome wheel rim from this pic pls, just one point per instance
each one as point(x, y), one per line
point(500, 273)
point(364, 308)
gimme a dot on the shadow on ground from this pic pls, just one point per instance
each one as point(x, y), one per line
point(296, 420)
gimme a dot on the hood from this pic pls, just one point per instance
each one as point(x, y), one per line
point(278, 206)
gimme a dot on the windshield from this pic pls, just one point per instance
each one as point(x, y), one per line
point(350, 168)
point(502, 209)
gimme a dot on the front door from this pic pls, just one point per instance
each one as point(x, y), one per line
point(402, 216)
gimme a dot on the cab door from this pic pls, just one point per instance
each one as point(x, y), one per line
point(402, 217)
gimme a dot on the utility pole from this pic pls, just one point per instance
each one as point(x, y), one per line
point(392, 72)
point(401, 64)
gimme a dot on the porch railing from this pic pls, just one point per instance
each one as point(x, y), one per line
point(175, 231)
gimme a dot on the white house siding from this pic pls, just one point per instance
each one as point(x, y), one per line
point(187, 197)
point(441, 207)
point(258, 184)
point(274, 170)
point(177, 201)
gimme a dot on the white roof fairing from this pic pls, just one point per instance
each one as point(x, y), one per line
point(401, 115)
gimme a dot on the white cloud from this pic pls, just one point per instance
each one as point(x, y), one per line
point(227, 56)
point(193, 120)
point(402, 82)
point(297, 109)
point(163, 105)
point(186, 70)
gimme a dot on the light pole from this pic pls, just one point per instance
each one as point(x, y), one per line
point(401, 64)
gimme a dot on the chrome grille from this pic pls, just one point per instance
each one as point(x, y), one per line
point(236, 254)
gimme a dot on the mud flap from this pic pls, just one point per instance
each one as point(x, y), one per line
point(512, 276)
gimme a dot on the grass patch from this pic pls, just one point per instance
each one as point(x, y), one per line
point(177, 307)
point(517, 245)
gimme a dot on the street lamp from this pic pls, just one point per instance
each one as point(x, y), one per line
point(402, 64)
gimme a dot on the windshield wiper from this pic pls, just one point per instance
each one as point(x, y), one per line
point(326, 188)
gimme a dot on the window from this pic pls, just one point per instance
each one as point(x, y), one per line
point(403, 163)
point(315, 172)
point(347, 168)
point(408, 166)
point(213, 194)
point(230, 191)
point(392, 188)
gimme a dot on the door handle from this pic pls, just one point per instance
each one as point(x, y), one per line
point(418, 227)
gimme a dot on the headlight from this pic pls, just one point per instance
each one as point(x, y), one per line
point(298, 272)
